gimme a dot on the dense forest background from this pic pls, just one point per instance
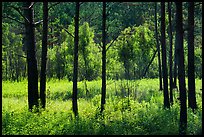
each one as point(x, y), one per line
point(129, 25)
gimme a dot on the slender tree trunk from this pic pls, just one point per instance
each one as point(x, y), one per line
point(76, 42)
point(6, 67)
point(103, 95)
point(17, 69)
point(31, 57)
point(202, 71)
point(44, 55)
point(164, 64)
point(175, 64)
point(58, 69)
point(158, 49)
point(170, 55)
point(10, 67)
point(202, 63)
point(181, 71)
point(191, 67)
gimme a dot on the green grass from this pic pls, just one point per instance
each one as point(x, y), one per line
point(141, 113)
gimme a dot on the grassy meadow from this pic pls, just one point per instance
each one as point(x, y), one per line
point(132, 108)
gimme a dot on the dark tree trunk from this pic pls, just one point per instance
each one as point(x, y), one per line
point(103, 95)
point(170, 55)
point(44, 55)
point(175, 64)
point(76, 42)
point(202, 64)
point(191, 67)
point(31, 57)
point(181, 71)
point(164, 64)
point(158, 49)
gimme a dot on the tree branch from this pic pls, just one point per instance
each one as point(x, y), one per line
point(17, 9)
point(31, 5)
point(13, 19)
point(53, 5)
point(112, 42)
point(20, 55)
point(69, 33)
point(146, 69)
point(37, 23)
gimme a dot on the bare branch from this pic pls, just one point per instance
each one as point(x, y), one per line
point(146, 69)
point(13, 19)
point(69, 33)
point(17, 9)
point(31, 5)
point(112, 42)
point(53, 5)
point(37, 23)
point(20, 55)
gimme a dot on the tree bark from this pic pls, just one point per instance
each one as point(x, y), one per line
point(103, 58)
point(175, 64)
point(31, 57)
point(181, 70)
point(44, 55)
point(75, 74)
point(158, 49)
point(164, 64)
point(170, 55)
point(191, 67)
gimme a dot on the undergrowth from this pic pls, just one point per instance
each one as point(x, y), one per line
point(132, 108)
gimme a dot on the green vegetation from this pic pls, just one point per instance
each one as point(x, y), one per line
point(142, 114)
point(82, 41)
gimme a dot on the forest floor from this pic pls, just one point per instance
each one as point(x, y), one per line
point(132, 108)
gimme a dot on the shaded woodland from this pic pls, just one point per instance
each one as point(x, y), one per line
point(106, 41)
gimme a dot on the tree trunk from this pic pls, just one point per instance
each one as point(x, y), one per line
point(158, 49)
point(175, 64)
point(44, 55)
point(164, 64)
point(170, 55)
point(103, 95)
point(17, 69)
point(181, 71)
point(31, 57)
point(76, 42)
point(6, 67)
point(191, 67)
point(58, 67)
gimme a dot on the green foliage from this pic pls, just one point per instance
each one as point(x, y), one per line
point(13, 62)
point(135, 48)
point(143, 115)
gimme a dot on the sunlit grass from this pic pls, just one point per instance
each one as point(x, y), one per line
point(135, 115)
